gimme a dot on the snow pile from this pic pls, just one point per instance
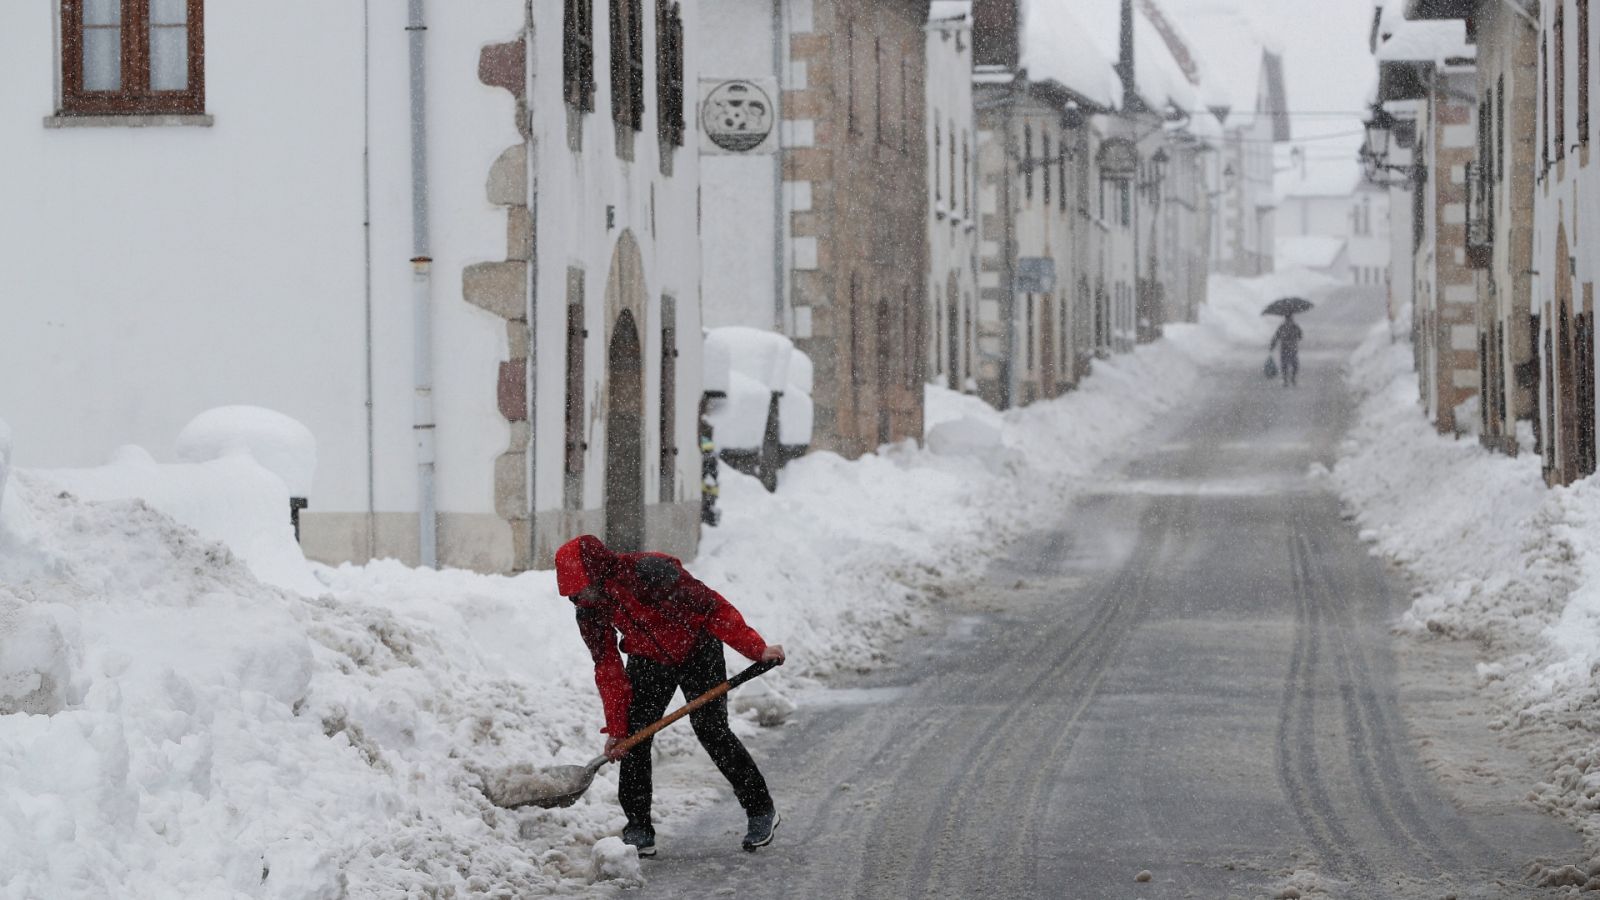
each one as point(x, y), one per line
point(280, 444)
point(748, 365)
point(187, 725)
point(1498, 558)
point(230, 499)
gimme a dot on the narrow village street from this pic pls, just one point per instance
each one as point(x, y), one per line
point(1192, 676)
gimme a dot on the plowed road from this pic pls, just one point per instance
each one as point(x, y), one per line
point(1191, 675)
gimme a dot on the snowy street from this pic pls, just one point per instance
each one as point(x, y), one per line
point(1192, 676)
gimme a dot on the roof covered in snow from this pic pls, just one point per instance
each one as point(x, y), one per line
point(1399, 39)
point(1325, 179)
point(1313, 251)
point(1239, 63)
point(949, 10)
point(1057, 47)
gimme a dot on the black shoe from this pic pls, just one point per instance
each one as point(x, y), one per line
point(761, 829)
point(641, 838)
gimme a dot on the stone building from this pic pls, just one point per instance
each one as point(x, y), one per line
point(457, 241)
point(1044, 300)
point(1500, 207)
point(848, 200)
point(1430, 66)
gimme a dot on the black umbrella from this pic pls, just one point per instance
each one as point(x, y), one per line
point(1287, 306)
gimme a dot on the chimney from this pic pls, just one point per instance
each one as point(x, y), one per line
point(996, 33)
point(1125, 67)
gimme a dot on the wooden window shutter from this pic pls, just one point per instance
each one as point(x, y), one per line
point(576, 335)
point(578, 54)
point(669, 399)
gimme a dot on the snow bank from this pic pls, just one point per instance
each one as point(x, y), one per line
point(230, 498)
point(1497, 558)
point(280, 444)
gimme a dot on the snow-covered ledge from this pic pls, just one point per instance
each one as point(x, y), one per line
point(156, 121)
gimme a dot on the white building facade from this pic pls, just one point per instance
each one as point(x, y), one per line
point(952, 281)
point(254, 240)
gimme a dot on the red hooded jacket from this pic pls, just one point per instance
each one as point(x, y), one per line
point(662, 612)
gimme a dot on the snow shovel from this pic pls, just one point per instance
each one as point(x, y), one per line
point(561, 786)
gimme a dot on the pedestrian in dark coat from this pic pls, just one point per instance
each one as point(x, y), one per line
point(672, 628)
point(1287, 340)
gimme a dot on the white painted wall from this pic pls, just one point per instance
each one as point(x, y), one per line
point(575, 190)
point(739, 194)
point(161, 271)
point(156, 272)
point(953, 220)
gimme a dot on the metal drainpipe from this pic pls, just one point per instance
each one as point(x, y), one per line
point(780, 32)
point(532, 365)
point(366, 243)
point(1008, 299)
point(421, 300)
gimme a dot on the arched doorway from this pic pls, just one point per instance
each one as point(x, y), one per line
point(625, 437)
point(624, 399)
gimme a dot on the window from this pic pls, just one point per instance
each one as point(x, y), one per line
point(1044, 165)
point(857, 367)
point(851, 125)
point(1125, 210)
point(1030, 333)
point(1544, 99)
point(1027, 162)
point(905, 106)
point(1061, 171)
point(572, 495)
point(1558, 72)
point(938, 152)
point(131, 57)
point(877, 87)
point(627, 63)
point(577, 54)
point(966, 174)
point(669, 398)
point(669, 74)
point(1583, 72)
point(952, 165)
point(1500, 127)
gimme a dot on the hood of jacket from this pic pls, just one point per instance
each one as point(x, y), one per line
point(583, 561)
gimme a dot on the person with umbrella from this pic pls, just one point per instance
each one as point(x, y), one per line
point(1286, 340)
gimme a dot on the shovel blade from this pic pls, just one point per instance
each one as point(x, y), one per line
point(551, 788)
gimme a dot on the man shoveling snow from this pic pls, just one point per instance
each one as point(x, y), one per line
point(672, 628)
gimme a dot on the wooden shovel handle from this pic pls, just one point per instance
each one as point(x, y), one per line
point(649, 731)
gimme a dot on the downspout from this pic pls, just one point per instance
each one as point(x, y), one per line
point(366, 242)
point(1008, 308)
point(780, 31)
point(421, 299)
point(532, 365)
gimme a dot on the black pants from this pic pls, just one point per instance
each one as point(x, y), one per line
point(1291, 365)
point(653, 687)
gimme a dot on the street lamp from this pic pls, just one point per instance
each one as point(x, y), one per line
point(1380, 128)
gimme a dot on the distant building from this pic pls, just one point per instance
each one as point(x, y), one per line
point(952, 281)
point(1426, 80)
point(1334, 202)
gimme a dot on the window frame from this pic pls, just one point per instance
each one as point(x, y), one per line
point(670, 124)
point(1583, 73)
point(1558, 72)
point(627, 63)
point(577, 54)
point(134, 97)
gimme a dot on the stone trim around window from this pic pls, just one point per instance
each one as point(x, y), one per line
point(160, 120)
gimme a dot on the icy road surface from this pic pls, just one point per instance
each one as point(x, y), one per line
point(1187, 689)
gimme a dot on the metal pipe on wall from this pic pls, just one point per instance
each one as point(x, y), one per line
point(423, 428)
